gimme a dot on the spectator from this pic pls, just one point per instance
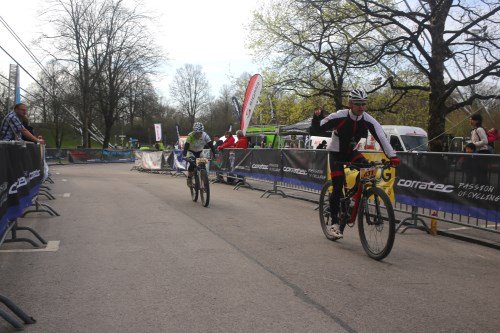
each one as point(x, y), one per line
point(322, 145)
point(468, 164)
point(242, 143)
point(478, 134)
point(242, 140)
point(25, 121)
point(228, 143)
point(493, 136)
point(262, 141)
point(217, 141)
point(12, 127)
point(470, 148)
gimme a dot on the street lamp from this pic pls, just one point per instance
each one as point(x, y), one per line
point(476, 36)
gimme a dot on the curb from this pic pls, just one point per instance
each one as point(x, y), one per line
point(470, 239)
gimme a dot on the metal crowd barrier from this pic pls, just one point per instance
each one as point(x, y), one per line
point(413, 214)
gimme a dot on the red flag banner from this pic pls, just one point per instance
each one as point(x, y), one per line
point(251, 97)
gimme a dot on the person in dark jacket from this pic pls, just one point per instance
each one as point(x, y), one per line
point(348, 126)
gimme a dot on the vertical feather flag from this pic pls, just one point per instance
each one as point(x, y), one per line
point(251, 97)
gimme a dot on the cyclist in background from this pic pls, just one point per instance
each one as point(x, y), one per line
point(348, 126)
point(195, 143)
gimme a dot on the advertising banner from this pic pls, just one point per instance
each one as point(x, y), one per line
point(305, 168)
point(236, 109)
point(152, 160)
point(251, 97)
point(111, 155)
point(465, 184)
point(53, 155)
point(21, 174)
point(240, 161)
point(158, 132)
point(85, 156)
point(266, 164)
point(138, 158)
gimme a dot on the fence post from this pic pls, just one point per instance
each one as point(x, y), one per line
point(434, 223)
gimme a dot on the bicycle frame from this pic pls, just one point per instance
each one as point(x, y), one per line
point(356, 192)
point(376, 221)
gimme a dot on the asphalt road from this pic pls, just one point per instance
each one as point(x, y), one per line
point(137, 255)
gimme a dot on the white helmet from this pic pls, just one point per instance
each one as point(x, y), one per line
point(198, 127)
point(358, 95)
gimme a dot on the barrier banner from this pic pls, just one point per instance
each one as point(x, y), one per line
point(152, 160)
point(111, 155)
point(464, 184)
point(240, 161)
point(305, 168)
point(79, 156)
point(55, 155)
point(138, 158)
point(266, 164)
point(221, 161)
point(175, 160)
point(21, 174)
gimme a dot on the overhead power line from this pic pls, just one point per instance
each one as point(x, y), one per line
point(93, 130)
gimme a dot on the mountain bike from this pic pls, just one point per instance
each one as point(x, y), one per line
point(369, 203)
point(201, 185)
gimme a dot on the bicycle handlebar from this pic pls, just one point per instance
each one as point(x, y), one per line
point(356, 166)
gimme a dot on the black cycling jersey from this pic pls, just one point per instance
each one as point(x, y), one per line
point(347, 129)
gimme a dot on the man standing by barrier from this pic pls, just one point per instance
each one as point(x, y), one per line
point(228, 143)
point(12, 127)
point(242, 143)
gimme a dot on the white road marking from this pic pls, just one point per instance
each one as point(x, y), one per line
point(459, 228)
point(66, 195)
point(64, 180)
point(52, 246)
point(58, 173)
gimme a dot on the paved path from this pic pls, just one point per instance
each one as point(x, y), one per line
point(136, 255)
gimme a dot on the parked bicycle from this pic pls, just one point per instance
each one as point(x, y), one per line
point(372, 206)
point(201, 185)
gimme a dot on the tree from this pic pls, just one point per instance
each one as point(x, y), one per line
point(78, 32)
point(441, 37)
point(51, 101)
point(314, 46)
point(191, 91)
point(126, 53)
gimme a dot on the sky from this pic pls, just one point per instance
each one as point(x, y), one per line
point(199, 32)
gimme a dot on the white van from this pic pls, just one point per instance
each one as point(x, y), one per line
point(402, 138)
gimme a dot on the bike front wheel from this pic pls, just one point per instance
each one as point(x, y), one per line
point(376, 223)
point(195, 188)
point(324, 210)
point(204, 188)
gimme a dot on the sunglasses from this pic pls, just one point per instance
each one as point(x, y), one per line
point(359, 104)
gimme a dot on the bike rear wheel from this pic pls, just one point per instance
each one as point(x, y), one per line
point(376, 223)
point(195, 189)
point(324, 210)
point(204, 188)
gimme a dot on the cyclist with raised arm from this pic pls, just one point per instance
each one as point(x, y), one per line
point(195, 143)
point(348, 126)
